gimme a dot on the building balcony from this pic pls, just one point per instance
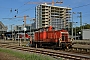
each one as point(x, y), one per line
point(45, 10)
point(45, 14)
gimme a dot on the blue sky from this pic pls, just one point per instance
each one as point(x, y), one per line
point(29, 9)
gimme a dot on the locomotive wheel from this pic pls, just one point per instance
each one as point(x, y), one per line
point(37, 45)
point(63, 46)
point(40, 45)
point(70, 46)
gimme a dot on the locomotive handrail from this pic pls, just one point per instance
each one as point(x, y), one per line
point(60, 41)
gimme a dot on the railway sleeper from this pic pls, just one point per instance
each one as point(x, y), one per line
point(66, 57)
point(44, 52)
point(31, 50)
point(56, 55)
point(8, 46)
point(81, 50)
point(51, 54)
point(19, 48)
point(38, 51)
point(73, 58)
point(13, 47)
point(25, 49)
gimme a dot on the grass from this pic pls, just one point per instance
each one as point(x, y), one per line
point(26, 55)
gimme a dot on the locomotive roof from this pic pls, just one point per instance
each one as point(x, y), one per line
point(44, 28)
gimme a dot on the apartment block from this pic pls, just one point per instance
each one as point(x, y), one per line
point(56, 16)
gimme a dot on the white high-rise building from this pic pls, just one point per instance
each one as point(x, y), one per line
point(55, 16)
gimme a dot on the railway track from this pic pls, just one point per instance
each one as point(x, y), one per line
point(53, 53)
point(82, 49)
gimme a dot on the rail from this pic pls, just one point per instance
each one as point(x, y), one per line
point(53, 53)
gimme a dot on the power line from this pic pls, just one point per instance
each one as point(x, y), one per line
point(81, 6)
point(4, 7)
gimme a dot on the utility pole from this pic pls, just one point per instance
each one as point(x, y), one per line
point(80, 19)
point(72, 23)
point(80, 16)
point(12, 31)
point(24, 27)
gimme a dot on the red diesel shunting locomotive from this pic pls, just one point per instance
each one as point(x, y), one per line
point(49, 37)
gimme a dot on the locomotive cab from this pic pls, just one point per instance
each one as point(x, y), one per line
point(64, 41)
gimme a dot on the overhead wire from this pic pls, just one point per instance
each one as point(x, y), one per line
point(24, 10)
point(81, 6)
